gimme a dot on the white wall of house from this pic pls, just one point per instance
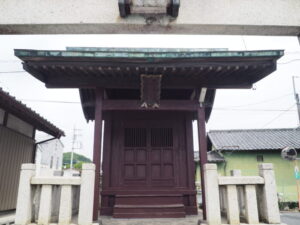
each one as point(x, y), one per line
point(50, 154)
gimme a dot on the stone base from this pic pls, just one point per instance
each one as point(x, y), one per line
point(188, 220)
point(251, 224)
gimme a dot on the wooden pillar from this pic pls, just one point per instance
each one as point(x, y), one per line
point(97, 149)
point(202, 151)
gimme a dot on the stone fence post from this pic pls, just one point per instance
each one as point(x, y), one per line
point(212, 200)
point(269, 208)
point(24, 200)
point(85, 215)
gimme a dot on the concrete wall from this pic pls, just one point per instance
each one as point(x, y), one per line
point(247, 163)
point(251, 17)
point(15, 149)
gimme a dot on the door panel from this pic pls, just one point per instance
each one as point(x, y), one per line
point(149, 152)
point(134, 156)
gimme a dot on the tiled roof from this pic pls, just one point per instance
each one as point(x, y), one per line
point(17, 108)
point(255, 139)
point(212, 157)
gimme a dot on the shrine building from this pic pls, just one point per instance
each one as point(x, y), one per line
point(148, 99)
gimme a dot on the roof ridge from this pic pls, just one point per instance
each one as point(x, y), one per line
point(254, 129)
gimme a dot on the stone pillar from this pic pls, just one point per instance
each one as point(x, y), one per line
point(24, 200)
point(212, 200)
point(269, 209)
point(45, 205)
point(233, 214)
point(85, 214)
point(65, 209)
point(240, 192)
point(251, 204)
point(235, 173)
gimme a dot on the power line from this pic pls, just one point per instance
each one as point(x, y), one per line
point(267, 100)
point(279, 115)
point(254, 110)
point(215, 108)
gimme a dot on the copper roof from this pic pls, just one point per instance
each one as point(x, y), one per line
point(121, 68)
point(17, 108)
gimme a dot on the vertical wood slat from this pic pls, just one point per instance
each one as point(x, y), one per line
point(107, 151)
point(65, 208)
point(45, 205)
point(233, 214)
point(251, 204)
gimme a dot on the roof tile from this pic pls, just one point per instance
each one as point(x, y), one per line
point(255, 139)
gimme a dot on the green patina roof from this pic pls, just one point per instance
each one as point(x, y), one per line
point(143, 53)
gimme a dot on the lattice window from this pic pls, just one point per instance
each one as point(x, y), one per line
point(135, 137)
point(161, 137)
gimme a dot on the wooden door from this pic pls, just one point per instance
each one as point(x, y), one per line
point(148, 154)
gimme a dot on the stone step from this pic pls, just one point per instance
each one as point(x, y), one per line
point(148, 199)
point(149, 211)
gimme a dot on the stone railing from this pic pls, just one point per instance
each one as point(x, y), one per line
point(44, 198)
point(241, 199)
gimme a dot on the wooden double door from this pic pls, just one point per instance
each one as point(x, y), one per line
point(148, 165)
point(149, 151)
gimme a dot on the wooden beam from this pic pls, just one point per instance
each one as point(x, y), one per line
point(202, 150)
point(176, 105)
point(79, 84)
point(97, 149)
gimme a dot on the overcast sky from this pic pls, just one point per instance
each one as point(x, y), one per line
point(269, 105)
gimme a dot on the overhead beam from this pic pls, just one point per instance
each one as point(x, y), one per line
point(165, 105)
point(175, 86)
point(247, 17)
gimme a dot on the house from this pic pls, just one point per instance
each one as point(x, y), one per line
point(212, 157)
point(50, 154)
point(147, 99)
point(18, 125)
point(245, 149)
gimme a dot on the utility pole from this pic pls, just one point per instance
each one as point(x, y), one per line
point(297, 99)
point(76, 134)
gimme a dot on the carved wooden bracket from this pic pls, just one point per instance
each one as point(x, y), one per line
point(150, 91)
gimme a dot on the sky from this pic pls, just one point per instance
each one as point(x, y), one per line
point(269, 104)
